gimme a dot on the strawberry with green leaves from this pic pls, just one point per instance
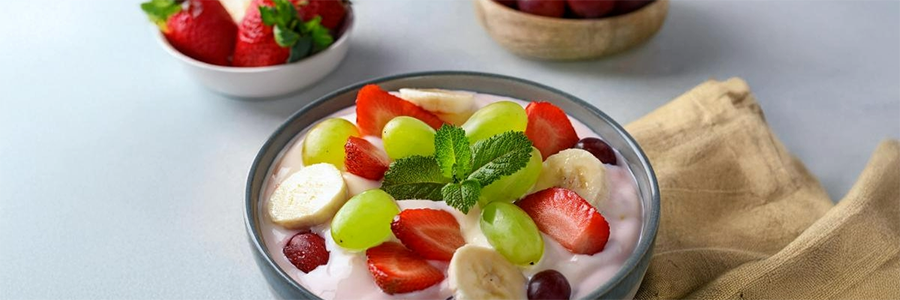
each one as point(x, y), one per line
point(331, 11)
point(201, 29)
point(273, 33)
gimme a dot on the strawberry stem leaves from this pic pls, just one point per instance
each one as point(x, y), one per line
point(457, 171)
point(159, 11)
point(303, 38)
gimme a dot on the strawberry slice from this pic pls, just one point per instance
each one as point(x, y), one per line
point(397, 270)
point(432, 233)
point(306, 251)
point(364, 159)
point(568, 219)
point(375, 107)
point(549, 128)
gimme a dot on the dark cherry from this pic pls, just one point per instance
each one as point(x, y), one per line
point(600, 149)
point(627, 6)
point(547, 8)
point(591, 8)
point(507, 3)
point(549, 285)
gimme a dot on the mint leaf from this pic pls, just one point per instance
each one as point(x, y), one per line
point(498, 156)
point(414, 177)
point(452, 152)
point(462, 196)
point(159, 11)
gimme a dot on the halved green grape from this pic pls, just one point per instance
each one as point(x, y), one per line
point(495, 118)
point(325, 142)
point(512, 233)
point(365, 220)
point(512, 187)
point(406, 136)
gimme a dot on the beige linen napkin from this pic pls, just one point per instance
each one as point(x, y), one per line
point(743, 219)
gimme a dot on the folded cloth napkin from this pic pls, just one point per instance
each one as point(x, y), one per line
point(743, 219)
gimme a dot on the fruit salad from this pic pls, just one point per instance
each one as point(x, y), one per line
point(431, 194)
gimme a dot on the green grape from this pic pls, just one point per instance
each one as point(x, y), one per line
point(325, 142)
point(512, 233)
point(495, 118)
point(365, 220)
point(406, 136)
point(512, 187)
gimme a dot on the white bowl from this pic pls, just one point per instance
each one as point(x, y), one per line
point(263, 82)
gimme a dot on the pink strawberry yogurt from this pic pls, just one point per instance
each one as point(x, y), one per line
point(346, 274)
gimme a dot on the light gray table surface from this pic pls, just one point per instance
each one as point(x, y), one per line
point(120, 177)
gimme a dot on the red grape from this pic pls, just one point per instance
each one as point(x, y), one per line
point(549, 284)
point(600, 149)
point(627, 6)
point(591, 8)
point(547, 8)
point(306, 251)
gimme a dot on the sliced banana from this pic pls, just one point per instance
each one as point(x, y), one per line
point(454, 107)
point(576, 170)
point(308, 197)
point(480, 273)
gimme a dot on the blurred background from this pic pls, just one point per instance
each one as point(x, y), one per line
point(121, 177)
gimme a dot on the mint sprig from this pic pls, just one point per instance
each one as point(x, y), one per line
point(499, 156)
point(304, 38)
point(414, 177)
point(462, 195)
point(457, 171)
point(451, 149)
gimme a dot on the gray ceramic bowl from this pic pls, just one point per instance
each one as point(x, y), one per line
point(623, 285)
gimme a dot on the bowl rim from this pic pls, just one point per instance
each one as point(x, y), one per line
point(647, 237)
point(346, 29)
point(570, 21)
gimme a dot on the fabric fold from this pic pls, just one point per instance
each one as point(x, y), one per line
point(742, 218)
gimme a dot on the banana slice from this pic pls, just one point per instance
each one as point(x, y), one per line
point(308, 197)
point(576, 170)
point(454, 107)
point(480, 273)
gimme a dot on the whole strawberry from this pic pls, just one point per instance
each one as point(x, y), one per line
point(200, 29)
point(272, 33)
point(331, 11)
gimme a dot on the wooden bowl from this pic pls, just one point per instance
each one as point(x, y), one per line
point(569, 39)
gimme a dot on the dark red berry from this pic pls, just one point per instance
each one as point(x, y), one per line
point(591, 8)
point(306, 251)
point(627, 6)
point(549, 285)
point(547, 8)
point(600, 149)
point(507, 3)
